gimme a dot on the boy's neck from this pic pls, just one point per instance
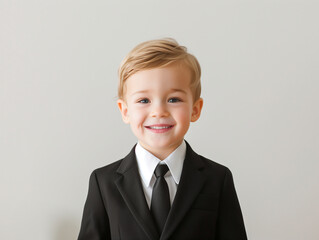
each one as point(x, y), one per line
point(161, 154)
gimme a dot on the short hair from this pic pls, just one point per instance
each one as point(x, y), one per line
point(159, 53)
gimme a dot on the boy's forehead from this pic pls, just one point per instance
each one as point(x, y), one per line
point(172, 79)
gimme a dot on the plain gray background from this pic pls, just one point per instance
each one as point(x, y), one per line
point(59, 118)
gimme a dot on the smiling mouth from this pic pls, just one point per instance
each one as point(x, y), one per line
point(160, 127)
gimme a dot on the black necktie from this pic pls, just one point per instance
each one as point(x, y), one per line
point(160, 203)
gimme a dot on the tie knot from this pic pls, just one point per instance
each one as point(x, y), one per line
point(160, 170)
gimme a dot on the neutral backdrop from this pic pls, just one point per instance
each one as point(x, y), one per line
point(59, 119)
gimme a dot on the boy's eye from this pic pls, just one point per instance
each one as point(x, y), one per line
point(172, 100)
point(145, 100)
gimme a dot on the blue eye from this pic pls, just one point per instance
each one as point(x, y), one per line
point(173, 100)
point(145, 100)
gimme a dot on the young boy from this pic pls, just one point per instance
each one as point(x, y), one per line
point(162, 189)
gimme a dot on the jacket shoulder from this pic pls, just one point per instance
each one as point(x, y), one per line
point(205, 164)
point(107, 170)
point(212, 164)
point(214, 169)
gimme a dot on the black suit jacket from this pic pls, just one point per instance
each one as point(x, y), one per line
point(205, 206)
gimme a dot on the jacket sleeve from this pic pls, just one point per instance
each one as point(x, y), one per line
point(95, 222)
point(230, 223)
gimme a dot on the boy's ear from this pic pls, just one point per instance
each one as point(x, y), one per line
point(123, 109)
point(197, 109)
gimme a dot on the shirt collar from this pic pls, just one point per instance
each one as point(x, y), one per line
point(147, 162)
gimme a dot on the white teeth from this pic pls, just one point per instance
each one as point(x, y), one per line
point(159, 127)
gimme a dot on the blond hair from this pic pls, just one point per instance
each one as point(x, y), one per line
point(159, 53)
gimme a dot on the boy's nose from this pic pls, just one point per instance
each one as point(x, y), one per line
point(159, 111)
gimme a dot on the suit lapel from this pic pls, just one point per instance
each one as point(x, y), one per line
point(189, 187)
point(130, 187)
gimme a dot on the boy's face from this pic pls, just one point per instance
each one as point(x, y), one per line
point(159, 107)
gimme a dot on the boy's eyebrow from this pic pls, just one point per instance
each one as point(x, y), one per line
point(142, 91)
point(172, 90)
point(178, 90)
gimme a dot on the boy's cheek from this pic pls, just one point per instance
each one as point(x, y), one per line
point(184, 115)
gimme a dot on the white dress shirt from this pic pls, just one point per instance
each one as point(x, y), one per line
point(147, 163)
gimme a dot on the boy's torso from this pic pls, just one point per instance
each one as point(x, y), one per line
point(195, 211)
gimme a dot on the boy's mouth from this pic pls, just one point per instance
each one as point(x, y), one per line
point(159, 128)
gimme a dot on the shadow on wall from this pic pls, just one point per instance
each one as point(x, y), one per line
point(66, 229)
